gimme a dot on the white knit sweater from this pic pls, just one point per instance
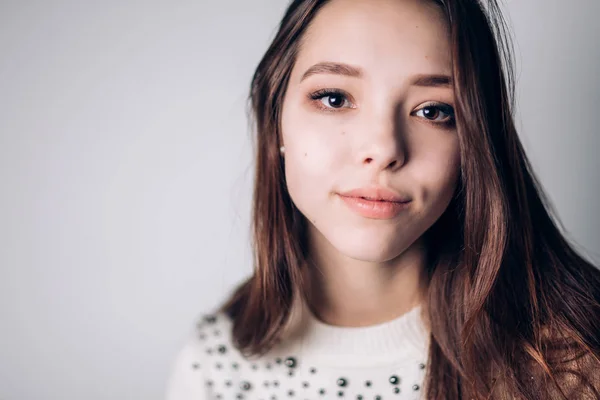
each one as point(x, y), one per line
point(315, 361)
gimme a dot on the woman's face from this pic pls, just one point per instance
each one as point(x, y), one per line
point(387, 124)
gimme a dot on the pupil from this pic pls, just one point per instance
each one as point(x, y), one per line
point(429, 112)
point(335, 101)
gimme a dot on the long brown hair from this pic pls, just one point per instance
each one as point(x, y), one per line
point(514, 310)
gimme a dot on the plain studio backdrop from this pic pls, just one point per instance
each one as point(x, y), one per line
point(126, 173)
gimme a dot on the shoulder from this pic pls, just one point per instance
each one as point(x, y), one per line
point(213, 336)
point(190, 369)
point(210, 334)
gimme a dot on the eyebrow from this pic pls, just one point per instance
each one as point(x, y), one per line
point(424, 80)
point(333, 68)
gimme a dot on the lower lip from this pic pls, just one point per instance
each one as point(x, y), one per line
point(375, 209)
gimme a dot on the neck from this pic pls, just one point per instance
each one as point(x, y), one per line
point(354, 293)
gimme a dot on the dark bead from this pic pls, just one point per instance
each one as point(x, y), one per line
point(228, 383)
point(278, 360)
point(422, 366)
point(211, 319)
point(415, 387)
point(305, 384)
point(340, 394)
point(321, 391)
point(313, 370)
point(239, 396)
point(222, 349)
point(290, 393)
point(394, 380)
point(359, 397)
point(290, 362)
point(291, 373)
point(195, 365)
point(396, 390)
point(209, 351)
point(219, 365)
point(342, 382)
point(368, 383)
point(268, 365)
point(266, 383)
point(377, 397)
point(273, 397)
point(209, 383)
point(254, 366)
point(245, 385)
point(235, 365)
point(219, 396)
point(275, 383)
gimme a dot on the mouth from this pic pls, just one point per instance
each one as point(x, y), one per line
point(377, 194)
point(375, 208)
point(378, 199)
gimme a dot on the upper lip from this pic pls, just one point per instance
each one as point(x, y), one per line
point(376, 193)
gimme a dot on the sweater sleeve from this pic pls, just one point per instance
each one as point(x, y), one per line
point(186, 377)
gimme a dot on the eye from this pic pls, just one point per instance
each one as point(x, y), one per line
point(433, 111)
point(330, 99)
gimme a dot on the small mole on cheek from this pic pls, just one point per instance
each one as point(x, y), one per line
point(305, 154)
point(343, 133)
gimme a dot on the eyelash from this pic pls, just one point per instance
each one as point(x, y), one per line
point(444, 108)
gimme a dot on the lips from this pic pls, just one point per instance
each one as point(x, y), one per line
point(375, 209)
point(376, 193)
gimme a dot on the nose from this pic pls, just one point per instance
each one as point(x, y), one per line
point(383, 147)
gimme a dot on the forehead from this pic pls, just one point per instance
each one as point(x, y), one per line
point(387, 38)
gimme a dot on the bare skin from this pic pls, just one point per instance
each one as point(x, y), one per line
point(382, 129)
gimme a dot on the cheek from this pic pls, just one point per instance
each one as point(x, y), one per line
point(308, 182)
point(306, 156)
point(438, 172)
point(314, 147)
point(309, 161)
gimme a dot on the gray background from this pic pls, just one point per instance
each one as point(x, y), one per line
point(125, 168)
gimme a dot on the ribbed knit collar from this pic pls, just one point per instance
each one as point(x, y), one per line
point(390, 341)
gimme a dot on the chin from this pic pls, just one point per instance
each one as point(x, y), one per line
point(369, 249)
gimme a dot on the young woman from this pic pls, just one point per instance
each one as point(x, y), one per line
point(403, 248)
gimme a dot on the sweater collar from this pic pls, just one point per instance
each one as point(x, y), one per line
point(403, 335)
